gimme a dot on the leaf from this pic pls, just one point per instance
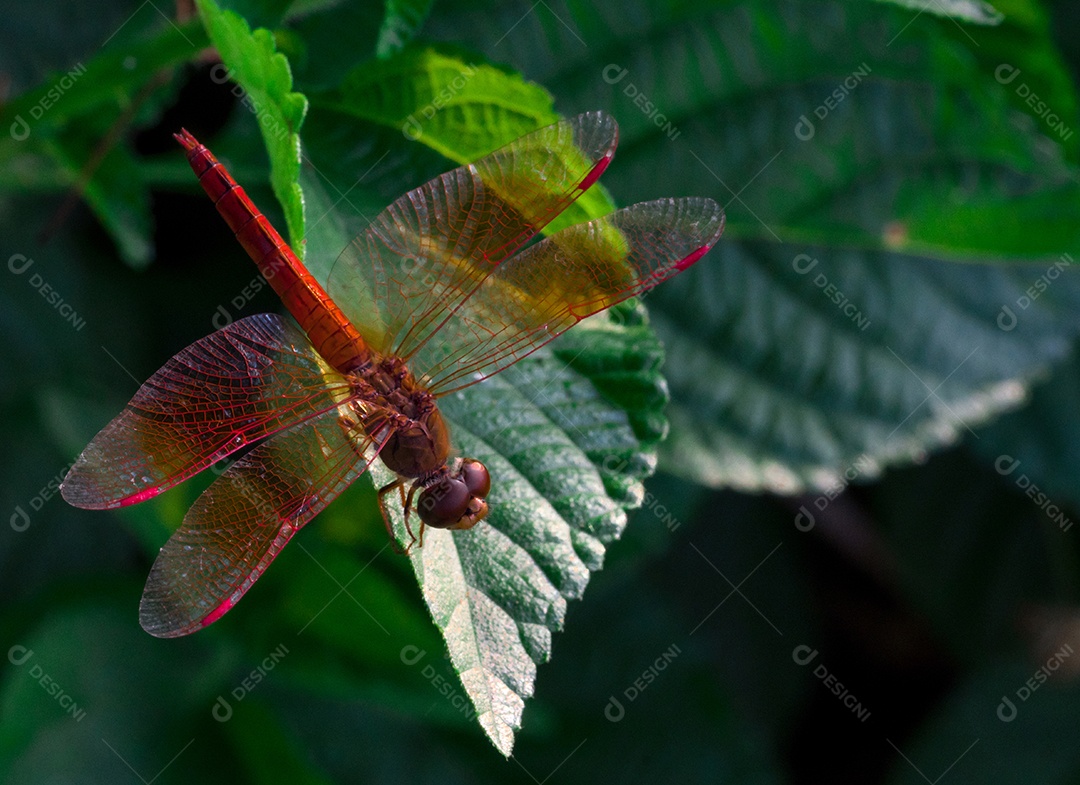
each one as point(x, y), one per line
point(1038, 447)
point(117, 70)
point(266, 80)
point(874, 131)
point(62, 134)
point(460, 108)
point(975, 11)
point(566, 462)
point(553, 445)
point(401, 21)
point(116, 192)
point(851, 152)
point(789, 380)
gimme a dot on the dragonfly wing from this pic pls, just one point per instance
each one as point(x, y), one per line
point(236, 386)
point(430, 249)
point(242, 521)
point(574, 273)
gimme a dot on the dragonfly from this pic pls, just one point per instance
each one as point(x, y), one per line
point(449, 285)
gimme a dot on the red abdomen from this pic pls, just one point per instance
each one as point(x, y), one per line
point(336, 339)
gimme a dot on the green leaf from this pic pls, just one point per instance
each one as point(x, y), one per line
point(1038, 447)
point(568, 435)
point(877, 131)
point(117, 71)
point(402, 20)
point(264, 75)
point(975, 11)
point(552, 444)
point(70, 131)
point(459, 107)
point(116, 192)
point(859, 149)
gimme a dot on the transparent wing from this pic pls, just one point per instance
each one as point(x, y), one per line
point(550, 286)
point(234, 387)
point(239, 525)
point(429, 250)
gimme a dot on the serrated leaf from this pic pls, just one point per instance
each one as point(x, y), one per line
point(789, 380)
point(264, 74)
point(842, 133)
point(552, 444)
point(975, 11)
point(1043, 439)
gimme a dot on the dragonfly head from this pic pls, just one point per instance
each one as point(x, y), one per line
point(456, 500)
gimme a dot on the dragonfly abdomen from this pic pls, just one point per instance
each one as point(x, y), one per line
point(330, 331)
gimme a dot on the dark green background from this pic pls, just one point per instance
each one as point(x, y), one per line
point(929, 593)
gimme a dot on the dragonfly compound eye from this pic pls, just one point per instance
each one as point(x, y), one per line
point(456, 501)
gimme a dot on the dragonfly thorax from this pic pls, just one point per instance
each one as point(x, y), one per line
point(420, 442)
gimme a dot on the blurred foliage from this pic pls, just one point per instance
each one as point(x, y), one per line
point(888, 330)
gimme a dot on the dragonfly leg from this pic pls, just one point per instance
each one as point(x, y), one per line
point(416, 486)
point(398, 484)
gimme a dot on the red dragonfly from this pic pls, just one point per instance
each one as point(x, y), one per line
point(439, 293)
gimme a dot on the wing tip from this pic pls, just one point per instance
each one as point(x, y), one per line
point(80, 490)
